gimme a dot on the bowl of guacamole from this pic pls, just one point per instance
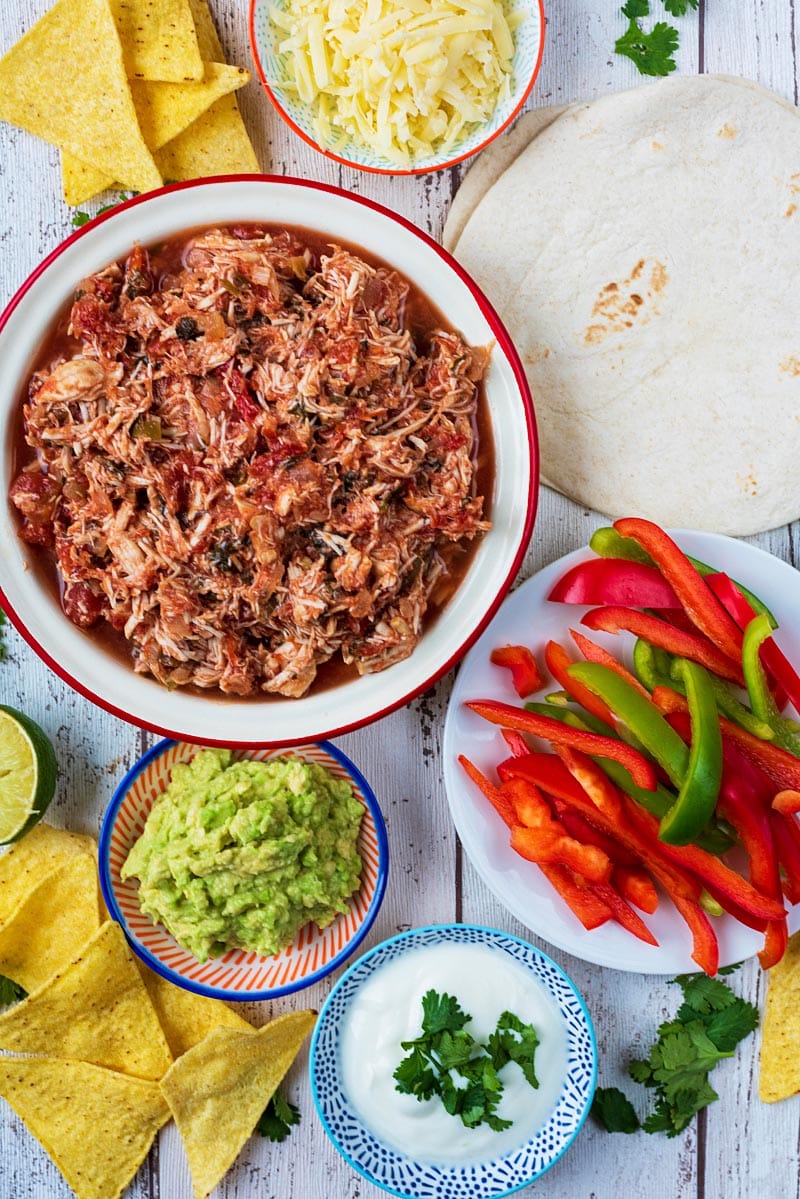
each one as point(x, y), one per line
point(244, 875)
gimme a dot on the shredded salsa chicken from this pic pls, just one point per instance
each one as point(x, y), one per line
point(247, 465)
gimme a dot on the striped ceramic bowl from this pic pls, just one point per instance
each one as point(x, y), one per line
point(238, 974)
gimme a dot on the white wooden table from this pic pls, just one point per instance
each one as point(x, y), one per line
point(739, 1148)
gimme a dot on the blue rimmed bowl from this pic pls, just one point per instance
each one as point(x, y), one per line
point(238, 974)
point(411, 1177)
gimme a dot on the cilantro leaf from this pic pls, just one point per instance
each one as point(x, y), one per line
point(636, 8)
point(10, 992)
point(651, 52)
point(730, 1026)
point(454, 1049)
point(702, 995)
point(441, 1013)
point(414, 1076)
point(277, 1119)
point(613, 1109)
point(505, 1045)
point(679, 8)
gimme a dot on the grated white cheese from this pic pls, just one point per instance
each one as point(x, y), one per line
point(407, 78)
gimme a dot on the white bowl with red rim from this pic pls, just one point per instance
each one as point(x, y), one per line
point(238, 974)
point(205, 717)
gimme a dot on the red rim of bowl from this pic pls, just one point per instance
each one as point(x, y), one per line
point(504, 342)
point(359, 166)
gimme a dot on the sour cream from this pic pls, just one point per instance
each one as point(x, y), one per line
point(388, 1010)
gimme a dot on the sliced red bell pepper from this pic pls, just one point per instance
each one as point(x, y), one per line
point(543, 844)
point(519, 660)
point(602, 792)
point(614, 581)
point(641, 770)
point(558, 661)
point(666, 636)
point(705, 947)
point(623, 913)
point(697, 797)
point(782, 768)
point(582, 901)
point(516, 743)
point(580, 828)
point(784, 680)
point(593, 652)
point(635, 885)
point(787, 802)
point(495, 796)
point(695, 595)
point(786, 832)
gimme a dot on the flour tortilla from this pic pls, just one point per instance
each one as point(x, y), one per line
point(642, 252)
point(489, 166)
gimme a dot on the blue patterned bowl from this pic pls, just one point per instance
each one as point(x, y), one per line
point(528, 49)
point(505, 1173)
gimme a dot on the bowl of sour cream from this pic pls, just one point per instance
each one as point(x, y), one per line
point(453, 1060)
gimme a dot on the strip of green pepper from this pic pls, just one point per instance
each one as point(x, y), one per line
point(758, 689)
point(697, 797)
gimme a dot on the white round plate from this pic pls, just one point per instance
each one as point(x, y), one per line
point(527, 618)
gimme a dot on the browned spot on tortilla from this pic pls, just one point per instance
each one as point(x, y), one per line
point(791, 365)
point(619, 307)
point(727, 131)
point(658, 146)
point(748, 483)
point(791, 210)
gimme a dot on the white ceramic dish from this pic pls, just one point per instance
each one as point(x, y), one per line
point(109, 681)
point(528, 618)
point(528, 50)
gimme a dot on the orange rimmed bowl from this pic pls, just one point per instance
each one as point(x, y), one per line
point(238, 974)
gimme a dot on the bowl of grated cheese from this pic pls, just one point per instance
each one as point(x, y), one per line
point(397, 86)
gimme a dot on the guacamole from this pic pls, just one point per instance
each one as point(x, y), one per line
point(243, 854)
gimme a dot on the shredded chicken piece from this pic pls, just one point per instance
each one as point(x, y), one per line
point(249, 466)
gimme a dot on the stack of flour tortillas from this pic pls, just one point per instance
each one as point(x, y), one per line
point(644, 252)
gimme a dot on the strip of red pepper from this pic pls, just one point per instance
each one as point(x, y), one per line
point(641, 770)
point(614, 581)
point(519, 660)
point(635, 885)
point(783, 676)
point(593, 652)
point(741, 804)
point(666, 636)
point(500, 802)
point(695, 595)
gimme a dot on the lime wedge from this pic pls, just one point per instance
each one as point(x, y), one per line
point(27, 774)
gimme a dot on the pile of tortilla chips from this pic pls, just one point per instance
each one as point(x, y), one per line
point(780, 1039)
point(134, 92)
point(112, 1049)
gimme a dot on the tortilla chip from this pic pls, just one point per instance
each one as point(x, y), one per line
point(218, 1090)
point(50, 926)
point(217, 142)
point(158, 39)
point(164, 110)
point(96, 1010)
point(186, 1018)
point(65, 82)
point(96, 1125)
point(779, 1077)
point(39, 853)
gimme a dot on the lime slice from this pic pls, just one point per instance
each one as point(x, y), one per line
point(27, 774)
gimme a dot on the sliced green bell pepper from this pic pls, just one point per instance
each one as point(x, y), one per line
point(699, 791)
point(761, 698)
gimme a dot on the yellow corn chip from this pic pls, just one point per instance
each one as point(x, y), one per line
point(779, 1076)
point(95, 1010)
point(65, 82)
point(30, 860)
point(164, 110)
point(50, 926)
point(158, 39)
point(96, 1125)
point(217, 142)
point(187, 1018)
point(218, 1090)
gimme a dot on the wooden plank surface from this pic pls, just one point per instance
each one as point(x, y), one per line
point(740, 1149)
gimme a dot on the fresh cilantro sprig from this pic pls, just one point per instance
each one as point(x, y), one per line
point(652, 51)
point(445, 1049)
point(278, 1118)
point(10, 992)
point(708, 1026)
point(82, 218)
